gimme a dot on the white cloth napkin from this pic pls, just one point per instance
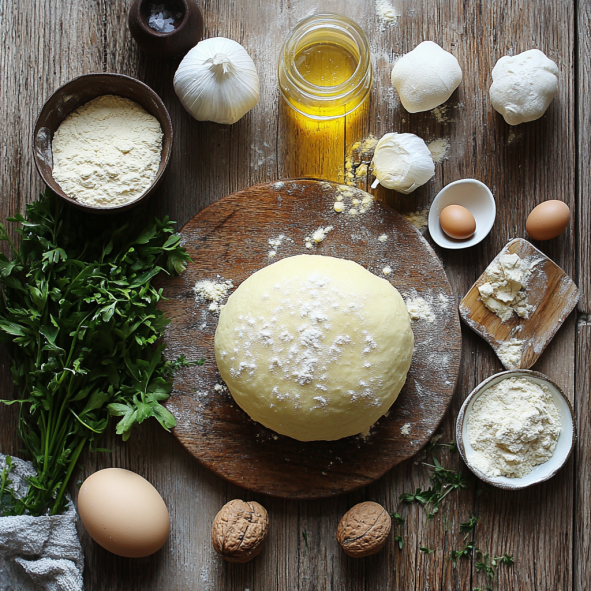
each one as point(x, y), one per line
point(39, 553)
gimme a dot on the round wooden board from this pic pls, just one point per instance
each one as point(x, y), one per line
point(229, 241)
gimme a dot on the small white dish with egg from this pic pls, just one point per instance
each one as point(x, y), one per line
point(471, 194)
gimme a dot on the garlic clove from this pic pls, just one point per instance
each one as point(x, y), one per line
point(403, 162)
point(217, 81)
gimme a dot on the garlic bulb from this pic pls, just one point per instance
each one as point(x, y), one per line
point(217, 81)
point(403, 162)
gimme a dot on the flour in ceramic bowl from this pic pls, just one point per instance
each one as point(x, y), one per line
point(513, 427)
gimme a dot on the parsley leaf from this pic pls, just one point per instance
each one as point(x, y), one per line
point(467, 527)
point(306, 545)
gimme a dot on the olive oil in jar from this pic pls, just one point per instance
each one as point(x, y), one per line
point(324, 69)
point(325, 64)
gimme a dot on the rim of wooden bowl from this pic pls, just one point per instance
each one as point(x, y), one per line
point(79, 91)
point(485, 385)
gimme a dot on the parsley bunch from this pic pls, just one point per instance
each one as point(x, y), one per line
point(79, 315)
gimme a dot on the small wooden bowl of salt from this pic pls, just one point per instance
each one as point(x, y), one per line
point(516, 429)
point(165, 28)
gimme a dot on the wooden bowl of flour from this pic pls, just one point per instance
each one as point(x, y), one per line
point(540, 473)
point(78, 92)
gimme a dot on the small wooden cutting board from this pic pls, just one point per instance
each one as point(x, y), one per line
point(550, 291)
point(248, 230)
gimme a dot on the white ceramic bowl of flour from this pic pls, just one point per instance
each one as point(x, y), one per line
point(540, 473)
point(477, 198)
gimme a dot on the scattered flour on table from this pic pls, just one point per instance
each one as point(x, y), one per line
point(419, 309)
point(387, 270)
point(388, 11)
point(513, 427)
point(419, 219)
point(213, 292)
point(383, 238)
point(275, 243)
point(441, 113)
point(405, 429)
point(439, 149)
point(107, 152)
point(357, 161)
point(352, 200)
point(510, 353)
point(317, 237)
point(505, 288)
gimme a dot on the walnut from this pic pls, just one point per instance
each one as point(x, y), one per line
point(364, 529)
point(239, 530)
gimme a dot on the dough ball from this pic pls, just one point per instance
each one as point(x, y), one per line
point(314, 347)
point(426, 77)
point(523, 86)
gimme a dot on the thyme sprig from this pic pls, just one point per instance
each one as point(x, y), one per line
point(443, 482)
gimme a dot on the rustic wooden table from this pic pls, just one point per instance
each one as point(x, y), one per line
point(547, 528)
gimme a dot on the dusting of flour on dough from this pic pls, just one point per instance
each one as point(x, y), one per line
point(308, 340)
point(513, 427)
point(107, 152)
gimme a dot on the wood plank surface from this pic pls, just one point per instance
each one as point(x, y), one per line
point(546, 527)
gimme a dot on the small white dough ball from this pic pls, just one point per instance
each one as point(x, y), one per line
point(314, 347)
point(426, 77)
point(523, 86)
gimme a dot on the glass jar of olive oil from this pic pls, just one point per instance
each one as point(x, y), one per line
point(325, 67)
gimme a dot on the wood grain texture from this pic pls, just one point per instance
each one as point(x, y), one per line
point(551, 293)
point(47, 43)
point(230, 240)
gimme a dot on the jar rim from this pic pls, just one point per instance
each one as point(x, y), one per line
point(335, 22)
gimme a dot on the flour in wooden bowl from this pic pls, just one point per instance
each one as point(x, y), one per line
point(107, 152)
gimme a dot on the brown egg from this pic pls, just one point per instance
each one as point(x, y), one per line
point(123, 513)
point(548, 220)
point(457, 222)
